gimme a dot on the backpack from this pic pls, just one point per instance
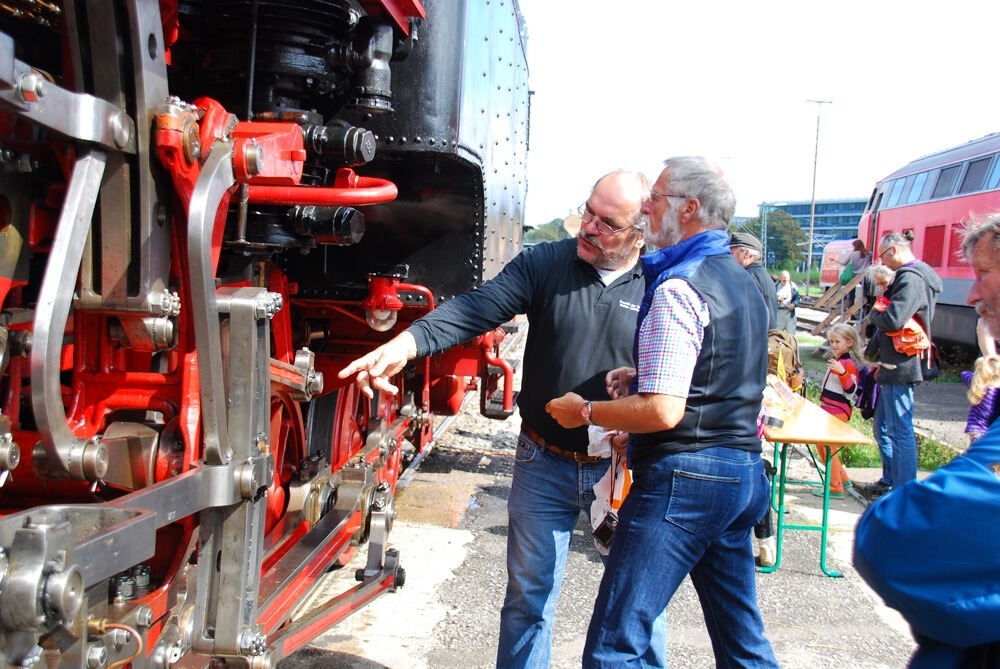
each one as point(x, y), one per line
point(783, 358)
point(866, 391)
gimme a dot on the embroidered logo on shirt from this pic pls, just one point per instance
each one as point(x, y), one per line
point(628, 305)
point(996, 468)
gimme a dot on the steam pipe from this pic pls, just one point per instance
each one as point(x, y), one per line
point(370, 190)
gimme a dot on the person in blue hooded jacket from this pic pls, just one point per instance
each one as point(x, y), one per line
point(931, 549)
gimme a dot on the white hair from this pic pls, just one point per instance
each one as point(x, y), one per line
point(977, 228)
point(697, 177)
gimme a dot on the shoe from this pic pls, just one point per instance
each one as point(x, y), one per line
point(873, 491)
point(833, 495)
point(768, 553)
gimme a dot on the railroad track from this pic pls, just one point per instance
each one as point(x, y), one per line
point(512, 340)
point(809, 318)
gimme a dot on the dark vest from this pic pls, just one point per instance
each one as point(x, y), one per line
point(728, 381)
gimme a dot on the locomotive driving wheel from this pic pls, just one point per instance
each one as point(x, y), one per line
point(288, 447)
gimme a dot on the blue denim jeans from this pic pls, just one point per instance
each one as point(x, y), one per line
point(689, 513)
point(547, 496)
point(893, 428)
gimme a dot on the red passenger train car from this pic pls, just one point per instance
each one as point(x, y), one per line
point(207, 208)
point(934, 196)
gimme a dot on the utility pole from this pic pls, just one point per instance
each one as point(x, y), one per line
point(812, 206)
point(763, 232)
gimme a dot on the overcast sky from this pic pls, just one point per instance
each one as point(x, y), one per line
point(629, 83)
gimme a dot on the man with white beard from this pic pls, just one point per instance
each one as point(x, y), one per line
point(930, 548)
point(691, 411)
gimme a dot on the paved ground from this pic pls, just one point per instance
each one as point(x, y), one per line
point(451, 533)
point(447, 615)
point(940, 412)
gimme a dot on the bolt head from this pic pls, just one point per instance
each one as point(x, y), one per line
point(10, 457)
point(124, 587)
point(120, 130)
point(31, 87)
point(144, 616)
point(97, 656)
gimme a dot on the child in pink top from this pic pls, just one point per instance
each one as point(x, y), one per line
point(839, 386)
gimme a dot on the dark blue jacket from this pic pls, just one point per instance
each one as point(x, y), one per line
point(931, 549)
point(728, 379)
point(765, 284)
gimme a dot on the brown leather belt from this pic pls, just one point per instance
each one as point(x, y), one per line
point(582, 458)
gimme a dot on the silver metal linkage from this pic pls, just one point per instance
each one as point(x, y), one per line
point(61, 454)
point(231, 548)
point(76, 115)
point(215, 179)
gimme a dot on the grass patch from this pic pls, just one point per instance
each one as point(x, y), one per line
point(931, 454)
point(861, 455)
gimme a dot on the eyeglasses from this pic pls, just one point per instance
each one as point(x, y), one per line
point(888, 248)
point(587, 215)
point(653, 195)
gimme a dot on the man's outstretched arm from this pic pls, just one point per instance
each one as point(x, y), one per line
point(375, 369)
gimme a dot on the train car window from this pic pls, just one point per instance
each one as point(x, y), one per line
point(871, 200)
point(932, 177)
point(946, 181)
point(975, 176)
point(994, 176)
point(916, 188)
point(904, 194)
point(897, 190)
point(933, 245)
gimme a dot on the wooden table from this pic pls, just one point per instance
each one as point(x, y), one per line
point(808, 424)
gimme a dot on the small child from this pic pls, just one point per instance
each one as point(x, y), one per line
point(839, 386)
point(983, 384)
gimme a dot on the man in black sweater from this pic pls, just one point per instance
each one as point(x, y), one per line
point(581, 297)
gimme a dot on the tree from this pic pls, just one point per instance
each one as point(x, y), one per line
point(785, 239)
point(546, 232)
point(752, 226)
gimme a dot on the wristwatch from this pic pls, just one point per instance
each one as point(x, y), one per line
point(585, 411)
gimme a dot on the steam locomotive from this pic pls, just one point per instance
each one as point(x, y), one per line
point(207, 208)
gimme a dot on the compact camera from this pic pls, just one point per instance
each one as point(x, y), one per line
point(605, 532)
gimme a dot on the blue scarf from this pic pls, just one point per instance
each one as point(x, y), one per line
point(680, 260)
